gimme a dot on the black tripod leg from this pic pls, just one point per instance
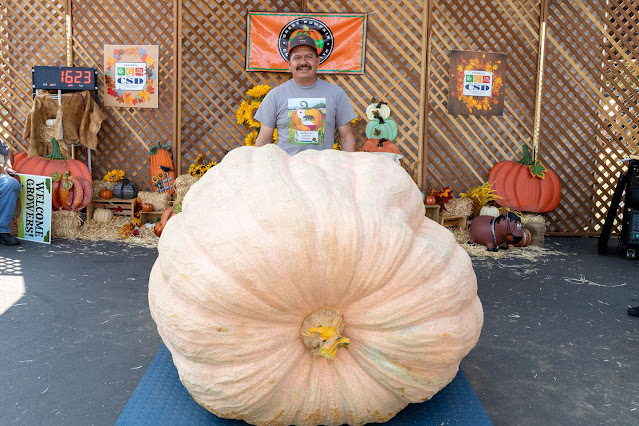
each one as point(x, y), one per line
point(602, 245)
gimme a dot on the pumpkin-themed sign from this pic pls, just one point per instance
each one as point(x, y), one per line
point(380, 317)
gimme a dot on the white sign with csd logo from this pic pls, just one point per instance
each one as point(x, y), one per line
point(478, 83)
point(130, 76)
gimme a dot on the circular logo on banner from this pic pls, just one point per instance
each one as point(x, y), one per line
point(314, 28)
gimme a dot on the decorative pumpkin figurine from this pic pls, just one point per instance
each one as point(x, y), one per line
point(125, 189)
point(306, 118)
point(489, 211)
point(105, 193)
point(378, 318)
point(52, 163)
point(381, 128)
point(526, 238)
point(525, 185)
point(71, 193)
point(430, 200)
point(146, 207)
point(377, 108)
point(380, 145)
point(161, 164)
point(102, 215)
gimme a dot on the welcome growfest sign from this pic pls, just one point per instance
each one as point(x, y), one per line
point(340, 39)
point(34, 223)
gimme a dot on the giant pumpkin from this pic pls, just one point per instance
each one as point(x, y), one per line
point(52, 163)
point(311, 289)
point(525, 185)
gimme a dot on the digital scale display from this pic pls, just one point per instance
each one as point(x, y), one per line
point(63, 78)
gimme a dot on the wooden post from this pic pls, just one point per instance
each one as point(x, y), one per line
point(69, 32)
point(177, 87)
point(540, 76)
point(422, 175)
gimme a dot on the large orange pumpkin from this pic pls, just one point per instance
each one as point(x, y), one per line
point(161, 157)
point(306, 118)
point(525, 185)
point(52, 163)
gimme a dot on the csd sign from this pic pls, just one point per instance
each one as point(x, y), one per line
point(479, 87)
point(130, 80)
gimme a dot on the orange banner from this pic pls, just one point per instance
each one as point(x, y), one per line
point(340, 40)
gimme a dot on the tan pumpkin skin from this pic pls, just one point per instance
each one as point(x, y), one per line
point(235, 280)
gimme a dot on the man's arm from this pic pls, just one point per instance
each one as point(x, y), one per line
point(265, 136)
point(346, 137)
point(8, 164)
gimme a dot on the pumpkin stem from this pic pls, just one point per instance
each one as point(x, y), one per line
point(380, 144)
point(159, 145)
point(304, 104)
point(56, 154)
point(321, 332)
point(379, 117)
point(380, 103)
point(535, 167)
point(526, 159)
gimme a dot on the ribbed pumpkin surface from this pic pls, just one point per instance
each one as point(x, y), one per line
point(519, 190)
point(265, 240)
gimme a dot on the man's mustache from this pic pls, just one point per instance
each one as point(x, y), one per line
point(302, 67)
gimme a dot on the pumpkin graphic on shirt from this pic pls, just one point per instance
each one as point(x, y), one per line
point(305, 118)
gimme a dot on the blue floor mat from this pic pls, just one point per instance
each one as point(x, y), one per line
point(161, 399)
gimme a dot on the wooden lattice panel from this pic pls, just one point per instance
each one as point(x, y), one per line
point(589, 118)
point(213, 76)
point(395, 68)
point(127, 133)
point(31, 33)
point(461, 149)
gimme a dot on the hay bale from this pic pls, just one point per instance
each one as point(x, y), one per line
point(536, 224)
point(160, 200)
point(457, 207)
point(65, 224)
point(182, 185)
point(99, 185)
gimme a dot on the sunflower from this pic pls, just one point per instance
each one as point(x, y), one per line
point(258, 92)
point(249, 113)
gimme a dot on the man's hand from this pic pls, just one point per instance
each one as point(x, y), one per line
point(265, 136)
point(346, 137)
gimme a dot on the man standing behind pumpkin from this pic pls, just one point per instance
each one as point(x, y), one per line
point(305, 110)
point(9, 192)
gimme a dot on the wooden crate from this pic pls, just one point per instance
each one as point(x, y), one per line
point(432, 212)
point(150, 217)
point(119, 206)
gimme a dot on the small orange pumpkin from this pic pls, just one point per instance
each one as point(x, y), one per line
point(105, 194)
point(380, 145)
point(147, 207)
point(430, 200)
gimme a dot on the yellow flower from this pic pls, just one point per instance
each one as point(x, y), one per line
point(114, 175)
point(241, 111)
point(275, 136)
point(258, 92)
point(249, 140)
point(249, 113)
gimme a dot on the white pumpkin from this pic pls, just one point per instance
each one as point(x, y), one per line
point(489, 211)
point(311, 289)
point(50, 122)
point(380, 108)
point(102, 215)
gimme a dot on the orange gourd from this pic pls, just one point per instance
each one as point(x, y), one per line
point(525, 185)
point(380, 145)
point(306, 118)
point(106, 194)
point(52, 163)
point(160, 157)
point(277, 313)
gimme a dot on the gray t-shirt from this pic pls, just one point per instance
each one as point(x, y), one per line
point(305, 116)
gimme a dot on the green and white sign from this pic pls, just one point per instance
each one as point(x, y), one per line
point(34, 223)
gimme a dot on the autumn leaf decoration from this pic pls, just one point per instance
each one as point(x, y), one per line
point(442, 196)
